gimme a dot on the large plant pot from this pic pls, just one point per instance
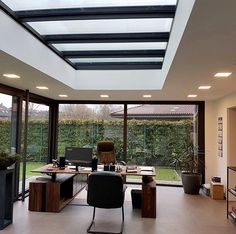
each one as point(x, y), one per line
point(191, 182)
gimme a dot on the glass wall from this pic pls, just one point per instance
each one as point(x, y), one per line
point(5, 122)
point(84, 125)
point(37, 137)
point(157, 135)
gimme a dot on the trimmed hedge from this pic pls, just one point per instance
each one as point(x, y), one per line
point(150, 142)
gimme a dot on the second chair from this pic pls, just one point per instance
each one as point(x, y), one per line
point(106, 152)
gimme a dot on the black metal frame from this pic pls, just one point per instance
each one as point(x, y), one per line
point(100, 13)
point(107, 37)
point(92, 13)
point(100, 232)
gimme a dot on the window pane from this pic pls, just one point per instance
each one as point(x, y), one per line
point(5, 122)
point(102, 26)
point(112, 46)
point(85, 125)
point(84, 60)
point(45, 4)
point(37, 138)
point(157, 135)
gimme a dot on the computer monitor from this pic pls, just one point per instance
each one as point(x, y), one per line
point(79, 156)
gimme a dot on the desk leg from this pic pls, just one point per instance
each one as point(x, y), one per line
point(54, 176)
point(149, 200)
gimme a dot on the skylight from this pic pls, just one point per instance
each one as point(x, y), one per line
point(100, 34)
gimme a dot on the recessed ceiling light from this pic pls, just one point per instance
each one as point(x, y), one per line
point(41, 87)
point(204, 87)
point(222, 74)
point(173, 110)
point(176, 107)
point(147, 96)
point(192, 95)
point(104, 96)
point(11, 76)
point(63, 95)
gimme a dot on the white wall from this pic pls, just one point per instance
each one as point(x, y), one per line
point(215, 165)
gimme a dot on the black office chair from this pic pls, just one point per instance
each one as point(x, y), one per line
point(105, 190)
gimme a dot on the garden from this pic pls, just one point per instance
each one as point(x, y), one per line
point(149, 142)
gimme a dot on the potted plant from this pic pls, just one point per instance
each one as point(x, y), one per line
point(191, 166)
point(7, 187)
point(6, 160)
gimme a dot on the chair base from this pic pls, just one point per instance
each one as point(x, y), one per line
point(103, 232)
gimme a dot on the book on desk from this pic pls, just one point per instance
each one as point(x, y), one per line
point(130, 169)
point(145, 168)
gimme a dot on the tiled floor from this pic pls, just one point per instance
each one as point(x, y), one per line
point(177, 213)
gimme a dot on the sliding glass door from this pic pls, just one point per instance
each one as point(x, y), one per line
point(37, 139)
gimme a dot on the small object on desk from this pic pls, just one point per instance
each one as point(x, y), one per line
point(106, 167)
point(146, 168)
point(85, 169)
point(71, 167)
point(131, 169)
point(62, 163)
point(94, 164)
point(50, 169)
point(55, 163)
point(112, 168)
point(118, 168)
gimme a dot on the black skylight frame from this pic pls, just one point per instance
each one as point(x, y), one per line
point(101, 13)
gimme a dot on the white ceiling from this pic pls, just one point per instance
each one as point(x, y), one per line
point(207, 46)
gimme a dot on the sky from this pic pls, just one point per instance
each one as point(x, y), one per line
point(6, 100)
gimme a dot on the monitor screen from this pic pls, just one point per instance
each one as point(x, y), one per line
point(79, 156)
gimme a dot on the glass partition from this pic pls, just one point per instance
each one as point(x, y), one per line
point(5, 122)
point(84, 125)
point(157, 135)
point(37, 138)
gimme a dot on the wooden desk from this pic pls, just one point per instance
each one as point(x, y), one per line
point(53, 194)
point(53, 171)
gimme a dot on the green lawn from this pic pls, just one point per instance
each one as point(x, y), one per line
point(30, 166)
point(166, 174)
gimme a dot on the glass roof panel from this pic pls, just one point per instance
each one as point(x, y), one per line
point(17, 5)
point(111, 46)
point(102, 26)
point(127, 24)
point(89, 60)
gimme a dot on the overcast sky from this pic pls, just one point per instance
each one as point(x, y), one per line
point(6, 100)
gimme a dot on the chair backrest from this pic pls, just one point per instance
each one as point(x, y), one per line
point(105, 190)
point(106, 152)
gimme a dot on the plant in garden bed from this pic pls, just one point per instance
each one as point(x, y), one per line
point(7, 160)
